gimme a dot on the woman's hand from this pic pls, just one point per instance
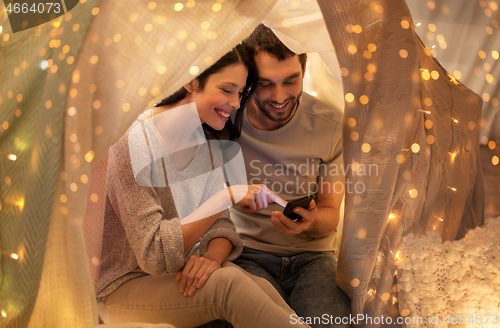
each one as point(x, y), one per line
point(253, 198)
point(195, 273)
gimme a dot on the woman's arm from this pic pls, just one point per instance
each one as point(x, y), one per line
point(252, 198)
point(198, 269)
point(218, 250)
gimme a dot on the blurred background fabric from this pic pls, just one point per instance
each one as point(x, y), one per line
point(467, 43)
point(71, 87)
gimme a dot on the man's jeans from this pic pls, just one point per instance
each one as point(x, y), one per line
point(305, 281)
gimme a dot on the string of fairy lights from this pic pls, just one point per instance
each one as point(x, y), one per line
point(415, 148)
point(349, 97)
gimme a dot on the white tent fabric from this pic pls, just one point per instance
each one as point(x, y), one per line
point(467, 42)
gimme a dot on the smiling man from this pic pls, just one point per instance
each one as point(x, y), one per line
point(291, 143)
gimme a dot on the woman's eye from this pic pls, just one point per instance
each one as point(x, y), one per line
point(226, 91)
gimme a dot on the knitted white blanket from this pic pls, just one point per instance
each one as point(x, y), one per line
point(452, 282)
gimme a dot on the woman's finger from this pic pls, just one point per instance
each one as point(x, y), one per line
point(258, 201)
point(198, 263)
point(184, 275)
point(251, 204)
point(211, 268)
point(272, 197)
point(264, 196)
point(199, 275)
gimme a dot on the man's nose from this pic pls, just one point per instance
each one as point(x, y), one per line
point(279, 94)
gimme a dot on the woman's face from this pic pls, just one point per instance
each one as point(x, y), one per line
point(220, 96)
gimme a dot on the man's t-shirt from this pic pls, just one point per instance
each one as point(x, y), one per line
point(290, 161)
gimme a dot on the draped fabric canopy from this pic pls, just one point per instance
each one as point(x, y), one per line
point(406, 118)
point(420, 132)
point(467, 43)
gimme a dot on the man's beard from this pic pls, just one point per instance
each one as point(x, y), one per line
point(278, 117)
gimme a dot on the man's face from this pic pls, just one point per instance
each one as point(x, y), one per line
point(279, 87)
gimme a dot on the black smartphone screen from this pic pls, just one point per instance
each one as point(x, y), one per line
point(302, 202)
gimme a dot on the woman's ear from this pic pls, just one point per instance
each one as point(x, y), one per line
point(192, 86)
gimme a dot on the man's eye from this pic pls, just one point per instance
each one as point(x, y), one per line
point(289, 82)
point(264, 85)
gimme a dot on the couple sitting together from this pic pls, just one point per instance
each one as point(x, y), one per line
point(172, 228)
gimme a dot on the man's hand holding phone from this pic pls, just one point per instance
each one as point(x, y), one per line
point(297, 217)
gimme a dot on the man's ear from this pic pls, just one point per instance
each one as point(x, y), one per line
point(192, 86)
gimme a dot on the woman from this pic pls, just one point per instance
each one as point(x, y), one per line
point(167, 230)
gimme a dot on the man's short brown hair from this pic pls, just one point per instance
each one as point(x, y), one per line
point(264, 39)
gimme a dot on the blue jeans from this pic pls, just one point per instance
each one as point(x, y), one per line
point(306, 282)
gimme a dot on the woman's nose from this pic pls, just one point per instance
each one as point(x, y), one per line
point(235, 102)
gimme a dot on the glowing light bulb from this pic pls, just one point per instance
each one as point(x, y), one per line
point(455, 120)
point(4, 314)
point(12, 157)
point(454, 189)
point(440, 219)
point(44, 64)
point(14, 256)
point(418, 24)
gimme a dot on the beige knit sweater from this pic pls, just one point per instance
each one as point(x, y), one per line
point(142, 233)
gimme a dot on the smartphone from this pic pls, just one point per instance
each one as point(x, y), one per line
point(302, 202)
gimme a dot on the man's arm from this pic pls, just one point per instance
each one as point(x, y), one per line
point(321, 218)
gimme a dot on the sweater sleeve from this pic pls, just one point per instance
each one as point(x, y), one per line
point(223, 227)
point(152, 231)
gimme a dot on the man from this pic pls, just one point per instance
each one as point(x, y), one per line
point(291, 143)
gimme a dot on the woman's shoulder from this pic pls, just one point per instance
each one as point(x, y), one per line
point(138, 136)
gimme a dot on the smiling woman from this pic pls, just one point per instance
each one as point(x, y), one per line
point(220, 96)
point(223, 87)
